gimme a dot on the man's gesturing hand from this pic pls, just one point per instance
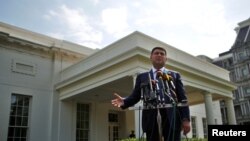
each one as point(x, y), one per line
point(118, 101)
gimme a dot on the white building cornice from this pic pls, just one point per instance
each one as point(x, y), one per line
point(28, 37)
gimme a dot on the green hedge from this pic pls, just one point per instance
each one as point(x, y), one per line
point(184, 139)
point(194, 139)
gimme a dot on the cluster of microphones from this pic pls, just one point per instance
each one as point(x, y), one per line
point(165, 77)
point(159, 91)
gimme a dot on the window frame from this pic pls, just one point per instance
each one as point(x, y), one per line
point(19, 110)
point(82, 124)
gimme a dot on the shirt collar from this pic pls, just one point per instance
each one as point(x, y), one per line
point(163, 69)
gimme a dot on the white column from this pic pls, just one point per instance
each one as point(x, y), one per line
point(65, 121)
point(230, 111)
point(138, 123)
point(209, 108)
point(138, 114)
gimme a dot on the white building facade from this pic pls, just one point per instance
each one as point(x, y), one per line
point(54, 90)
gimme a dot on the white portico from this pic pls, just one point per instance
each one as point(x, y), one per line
point(113, 69)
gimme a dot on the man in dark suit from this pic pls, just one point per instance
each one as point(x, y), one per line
point(173, 119)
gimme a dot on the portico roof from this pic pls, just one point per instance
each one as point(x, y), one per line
point(112, 69)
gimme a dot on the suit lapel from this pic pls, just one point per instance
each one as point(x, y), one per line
point(151, 74)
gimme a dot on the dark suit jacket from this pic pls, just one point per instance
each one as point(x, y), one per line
point(149, 115)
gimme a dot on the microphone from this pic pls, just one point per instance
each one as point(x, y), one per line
point(159, 74)
point(166, 78)
point(164, 75)
point(160, 86)
point(170, 79)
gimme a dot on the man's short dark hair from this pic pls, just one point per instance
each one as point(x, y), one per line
point(160, 48)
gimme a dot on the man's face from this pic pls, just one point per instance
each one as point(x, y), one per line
point(158, 58)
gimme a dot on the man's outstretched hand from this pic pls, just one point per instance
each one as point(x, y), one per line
point(118, 101)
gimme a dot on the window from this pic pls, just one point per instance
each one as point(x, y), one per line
point(242, 34)
point(237, 95)
point(82, 122)
point(232, 76)
point(204, 123)
point(247, 108)
point(194, 128)
point(242, 55)
point(225, 64)
point(246, 90)
point(113, 117)
point(19, 117)
point(244, 71)
point(238, 112)
point(243, 108)
point(224, 115)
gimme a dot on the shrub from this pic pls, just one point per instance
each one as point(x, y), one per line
point(194, 139)
point(184, 139)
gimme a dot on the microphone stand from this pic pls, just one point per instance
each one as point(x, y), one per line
point(168, 79)
point(165, 91)
point(160, 100)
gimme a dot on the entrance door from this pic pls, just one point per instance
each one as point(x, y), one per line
point(113, 133)
point(113, 127)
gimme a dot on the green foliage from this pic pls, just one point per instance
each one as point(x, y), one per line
point(194, 139)
point(132, 139)
point(184, 139)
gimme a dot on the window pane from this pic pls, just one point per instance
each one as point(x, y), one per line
point(18, 121)
point(23, 132)
point(25, 121)
point(11, 131)
point(12, 121)
point(26, 101)
point(10, 139)
point(13, 110)
point(17, 132)
point(20, 101)
point(19, 111)
point(13, 100)
point(25, 111)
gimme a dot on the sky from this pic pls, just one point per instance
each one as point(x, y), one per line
point(198, 27)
